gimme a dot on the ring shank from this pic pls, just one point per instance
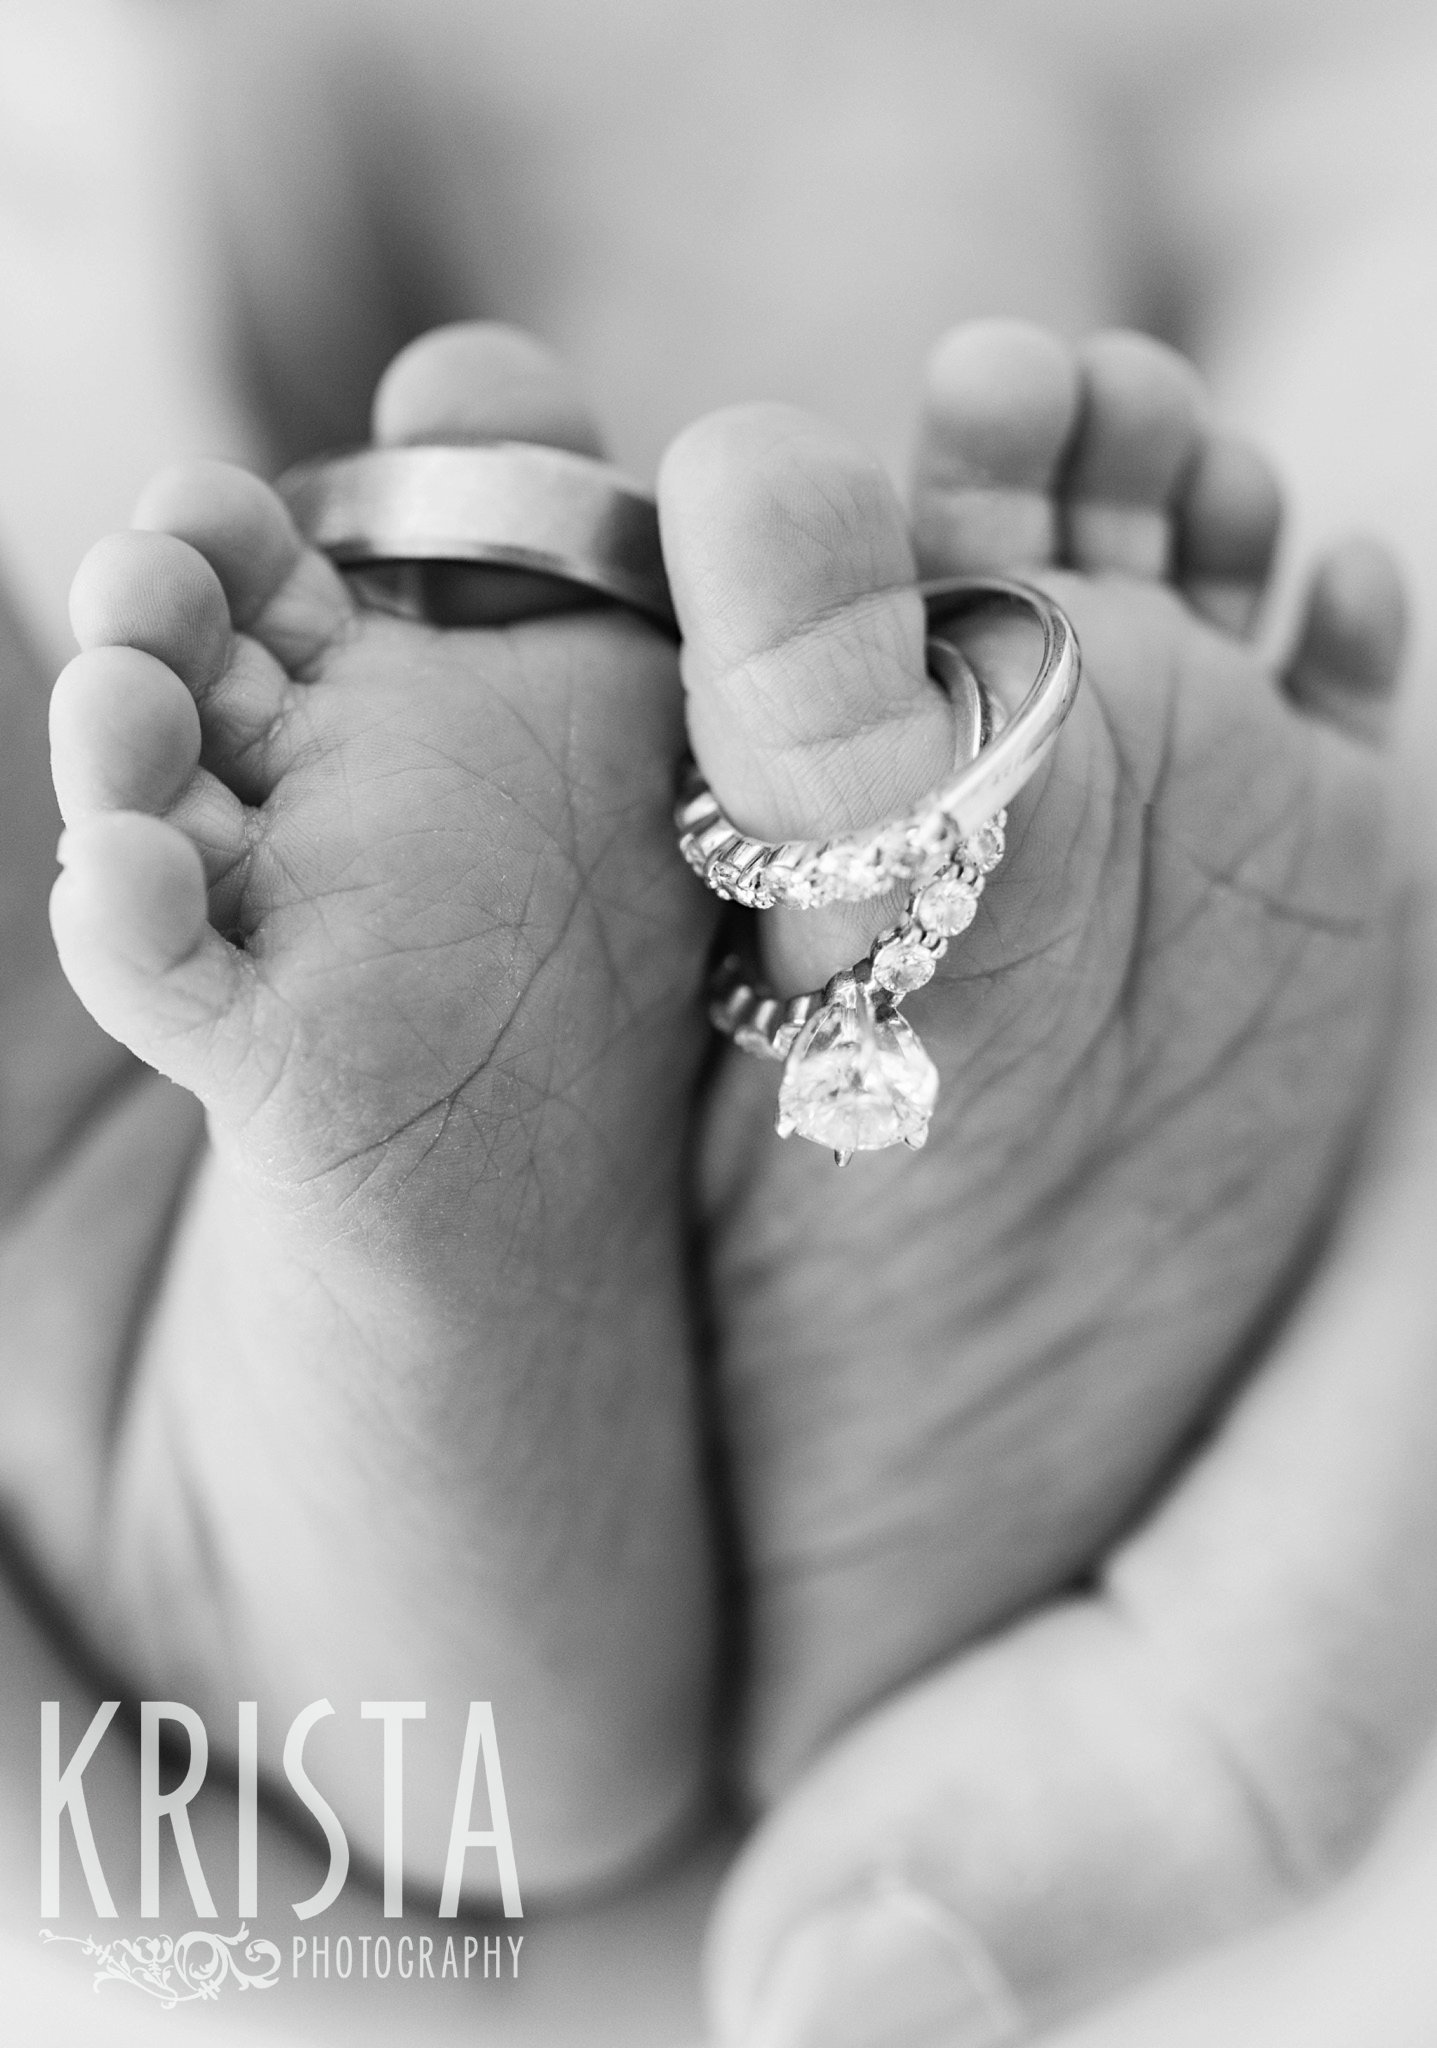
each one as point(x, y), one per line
point(511, 504)
point(989, 783)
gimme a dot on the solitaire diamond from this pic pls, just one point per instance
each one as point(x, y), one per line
point(857, 1081)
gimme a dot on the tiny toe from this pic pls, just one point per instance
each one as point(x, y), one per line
point(1136, 438)
point(286, 596)
point(480, 381)
point(124, 734)
point(130, 919)
point(809, 707)
point(156, 593)
point(1349, 648)
point(1000, 407)
point(1228, 514)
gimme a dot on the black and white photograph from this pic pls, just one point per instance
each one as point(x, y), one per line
point(718, 1023)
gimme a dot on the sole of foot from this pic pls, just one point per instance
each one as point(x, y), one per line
point(399, 904)
point(953, 1378)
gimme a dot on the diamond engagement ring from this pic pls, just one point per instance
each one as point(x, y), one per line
point(856, 1076)
point(507, 504)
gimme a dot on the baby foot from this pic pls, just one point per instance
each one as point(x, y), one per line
point(400, 906)
point(952, 1377)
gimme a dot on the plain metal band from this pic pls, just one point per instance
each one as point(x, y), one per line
point(513, 504)
point(989, 784)
point(973, 722)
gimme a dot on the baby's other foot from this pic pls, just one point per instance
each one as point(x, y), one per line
point(400, 905)
point(952, 1378)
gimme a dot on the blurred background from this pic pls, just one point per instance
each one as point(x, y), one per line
point(220, 218)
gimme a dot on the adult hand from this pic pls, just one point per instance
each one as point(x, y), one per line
point(1354, 1969)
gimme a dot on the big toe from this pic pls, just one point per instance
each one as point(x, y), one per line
point(810, 711)
point(479, 381)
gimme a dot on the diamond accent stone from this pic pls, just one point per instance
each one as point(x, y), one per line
point(933, 842)
point(985, 846)
point(948, 905)
point(805, 889)
point(857, 1080)
point(905, 961)
point(854, 870)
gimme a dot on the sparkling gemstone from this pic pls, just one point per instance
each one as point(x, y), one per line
point(905, 962)
point(857, 1081)
point(948, 905)
point(855, 869)
point(805, 888)
point(985, 846)
point(753, 890)
point(933, 840)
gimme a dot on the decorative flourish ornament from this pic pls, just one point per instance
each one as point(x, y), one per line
point(176, 1972)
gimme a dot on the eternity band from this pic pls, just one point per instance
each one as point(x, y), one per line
point(853, 867)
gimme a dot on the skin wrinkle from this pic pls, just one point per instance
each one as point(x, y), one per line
point(1081, 1060)
point(986, 1405)
point(250, 1038)
point(1272, 905)
point(1255, 1030)
point(869, 615)
point(857, 1546)
point(996, 1305)
point(1149, 1051)
point(1141, 955)
point(1125, 1137)
point(448, 1101)
point(1294, 1874)
point(248, 762)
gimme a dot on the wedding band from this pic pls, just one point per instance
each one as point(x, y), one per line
point(1030, 730)
point(856, 866)
point(510, 504)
